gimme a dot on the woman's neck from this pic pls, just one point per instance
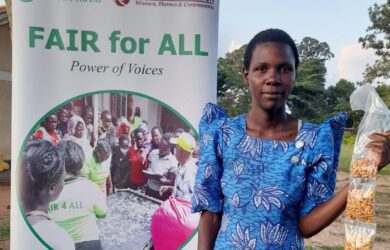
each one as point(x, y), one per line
point(277, 125)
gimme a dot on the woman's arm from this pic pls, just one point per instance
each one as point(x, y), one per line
point(209, 225)
point(321, 216)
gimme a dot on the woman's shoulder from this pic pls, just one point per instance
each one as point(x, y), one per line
point(54, 235)
point(331, 130)
point(216, 116)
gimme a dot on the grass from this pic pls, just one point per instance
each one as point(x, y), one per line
point(4, 229)
point(345, 159)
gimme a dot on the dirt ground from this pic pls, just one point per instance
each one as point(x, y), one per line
point(4, 210)
point(330, 238)
point(333, 236)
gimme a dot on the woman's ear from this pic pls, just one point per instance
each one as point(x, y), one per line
point(51, 189)
point(245, 75)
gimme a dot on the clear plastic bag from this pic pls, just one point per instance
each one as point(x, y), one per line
point(360, 203)
point(358, 235)
point(376, 117)
point(359, 213)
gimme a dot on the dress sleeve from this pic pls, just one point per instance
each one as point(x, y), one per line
point(322, 163)
point(207, 190)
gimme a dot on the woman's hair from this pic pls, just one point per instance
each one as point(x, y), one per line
point(158, 128)
point(123, 137)
point(73, 155)
point(62, 110)
point(270, 35)
point(102, 146)
point(167, 136)
point(139, 130)
point(86, 109)
point(42, 165)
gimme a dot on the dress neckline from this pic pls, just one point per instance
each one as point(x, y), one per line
point(301, 124)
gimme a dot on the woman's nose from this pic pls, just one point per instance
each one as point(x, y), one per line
point(273, 77)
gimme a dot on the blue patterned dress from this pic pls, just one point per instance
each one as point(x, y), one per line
point(261, 186)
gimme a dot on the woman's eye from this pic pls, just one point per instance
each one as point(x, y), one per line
point(286, 69)
point(262, 69)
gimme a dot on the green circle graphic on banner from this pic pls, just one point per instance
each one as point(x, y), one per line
point(125, 206)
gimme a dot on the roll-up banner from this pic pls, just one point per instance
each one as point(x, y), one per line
point(107, 96)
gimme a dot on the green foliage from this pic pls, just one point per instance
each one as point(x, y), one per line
point(378, 39)
point(308, 97)
point(349, 139)
point(345, 157)
point(310, 48)
point(4, 229)
point(384, 93)
point(233, 93)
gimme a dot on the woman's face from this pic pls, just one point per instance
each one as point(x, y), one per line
point(79, 130)
point(51, 123)
point(156, 137)
point(164, 147)
point(102, 155)
point(106, 120)
point(88, 117)
point(124, 144)
point(271, 75)
point(63, 117)
point(139, 140)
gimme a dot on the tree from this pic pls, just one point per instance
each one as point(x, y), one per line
point(378, 39)
point(310, 48)
point(337, 98)
point(384, 93)
point(232, 91)
point(308, 97)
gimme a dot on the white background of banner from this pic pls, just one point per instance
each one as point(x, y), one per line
point(42, 78)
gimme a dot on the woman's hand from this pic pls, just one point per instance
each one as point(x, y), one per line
point(380, 148)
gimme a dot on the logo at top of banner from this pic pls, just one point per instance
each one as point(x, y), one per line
point(121, 2)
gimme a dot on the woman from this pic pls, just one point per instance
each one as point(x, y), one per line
point(162, 168)
point(120, 163)
point(138, 160)
point(266, 179)
point(97, 168)
point(80, 202)
point(77, 135)
point(42, 180)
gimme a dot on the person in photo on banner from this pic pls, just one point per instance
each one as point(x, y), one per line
point(185, 176)
point(77, 135)
point(138, 155)
point(97, 168)
point(162, 168)
point(106, 129)
point(48, 130)
point(266, 179)
point(63, 118)
point(87, 115)
point(120, 164)
point(80, 202)
point(42, 175)
point(135, 120)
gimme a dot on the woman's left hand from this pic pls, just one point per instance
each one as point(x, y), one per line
point(380, 146)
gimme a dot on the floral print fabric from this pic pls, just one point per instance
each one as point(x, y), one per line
point(262, 187)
